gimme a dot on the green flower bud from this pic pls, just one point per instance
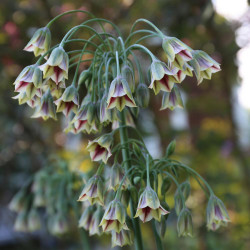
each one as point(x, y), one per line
point(142, 95)
point(128, 74)
point(85, 74)
point(184, 223)
point(171, 148)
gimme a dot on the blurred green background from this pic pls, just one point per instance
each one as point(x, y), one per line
point(212, 133)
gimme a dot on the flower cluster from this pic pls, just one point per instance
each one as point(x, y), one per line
point(110, 90)
point(49, 189)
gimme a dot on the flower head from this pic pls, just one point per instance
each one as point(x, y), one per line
point(57, 65)
point(120, 94)
point(176, 49)
point(149, 206)
point(21, 223)
point(84, 120)
point(162, 78)
point(68, 101)
point(34, 222)
point(17, 204)
point(172, 100)
point(47, 108)
point(28, 81)
point(114, 217)
point(58, 224)
point(216, 213)
point(86, 218)
point(204, 66)
point(121, 239)
point(100, 148)
point(94, 227)
point(93, 191)
point(40, 42)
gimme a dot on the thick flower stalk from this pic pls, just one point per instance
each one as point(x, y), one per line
point(111, 90)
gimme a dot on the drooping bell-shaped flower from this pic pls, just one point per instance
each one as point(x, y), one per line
point(21, 223)
point(86, 218)
point(68, 101)
point(47, 108)
point(114, 217)
point(203, 65)
point(106, 115)
point(56, 90)
point(216, 213)
point(116, 176)
point(17, 204)
point(176, 49)
point(184, 223)
point(129, 120)
point(121, 239)
point(162, 78)
point(172, 100)
point(56, 66)
point(40, 42)
point(93, 191)
point(58, 224)
point(100, 148)
point(85, 120)
point(120, 94)
point(28, 81)
point(34, 222)
point(149, 206)
point(94, 227)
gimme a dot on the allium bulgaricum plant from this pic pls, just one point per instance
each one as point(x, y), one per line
point(111, 90)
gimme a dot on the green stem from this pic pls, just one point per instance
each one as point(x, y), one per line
point(125, 156)
point(157, 237)
point(147, 163)
point(139, 46)
point(149, 23)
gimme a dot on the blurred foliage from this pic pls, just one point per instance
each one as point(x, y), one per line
point(209, 146)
